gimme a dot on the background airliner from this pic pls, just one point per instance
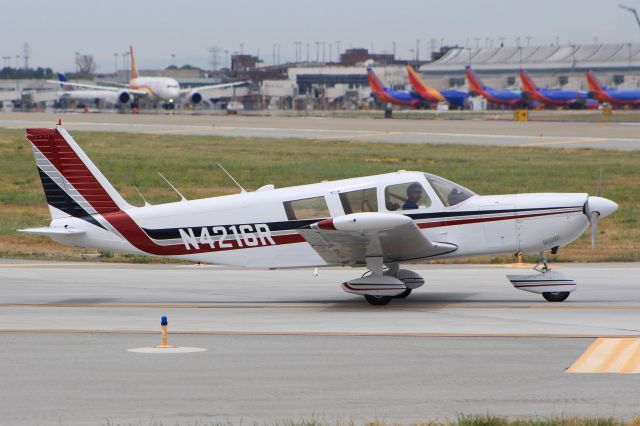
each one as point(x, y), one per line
point(396, 97)
point(153, 88)
point(497, 97)
point(86, 96)
point(455, 98)
point(553, 97)
point(614, 97)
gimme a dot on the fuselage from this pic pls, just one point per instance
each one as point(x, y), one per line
point(494, 96)
point(162, 88)
point(258, 229)
point(88, 95)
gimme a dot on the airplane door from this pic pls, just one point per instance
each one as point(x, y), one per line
point(500, 229)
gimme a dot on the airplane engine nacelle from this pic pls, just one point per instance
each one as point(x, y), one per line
point(124, 97)
point(364, 222)
point(195, 97)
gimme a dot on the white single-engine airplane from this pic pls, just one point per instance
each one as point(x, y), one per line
point(155, 88)
point(372, 221)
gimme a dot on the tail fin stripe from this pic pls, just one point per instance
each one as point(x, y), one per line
point(59, 199)
point(76, 170)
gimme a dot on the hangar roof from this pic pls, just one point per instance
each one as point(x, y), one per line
point(543, 58)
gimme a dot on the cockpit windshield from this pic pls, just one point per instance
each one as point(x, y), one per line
point(449, 193)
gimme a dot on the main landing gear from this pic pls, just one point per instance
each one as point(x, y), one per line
point(553, 285)
point(379, 286)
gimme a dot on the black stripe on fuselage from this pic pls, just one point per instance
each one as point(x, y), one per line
point(174, 233)
point(62, 201)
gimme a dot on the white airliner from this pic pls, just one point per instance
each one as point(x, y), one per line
point(154, 88)
point(91, 96)
point(374, 221)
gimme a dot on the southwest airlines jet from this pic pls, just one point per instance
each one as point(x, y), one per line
point(494, 96)
point(422, 95)
point(575, 99)
point(154, 88)
point(618, 98)
point(455, 98)
point(396, 97)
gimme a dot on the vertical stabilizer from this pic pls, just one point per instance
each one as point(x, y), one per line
point(73, 185)
point(134, 67)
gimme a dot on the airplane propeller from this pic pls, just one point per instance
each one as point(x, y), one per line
point(597, 207)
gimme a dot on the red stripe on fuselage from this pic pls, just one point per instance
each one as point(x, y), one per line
point(486, 219)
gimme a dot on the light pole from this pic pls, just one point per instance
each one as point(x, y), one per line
point(115, 63)
point(173, 59)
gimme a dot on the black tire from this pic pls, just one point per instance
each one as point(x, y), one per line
point(377, 300)
point(558, 296)
point(404, 294)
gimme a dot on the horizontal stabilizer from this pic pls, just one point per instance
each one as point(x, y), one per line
point(52, 231)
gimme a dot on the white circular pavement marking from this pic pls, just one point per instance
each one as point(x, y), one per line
point(176, 350)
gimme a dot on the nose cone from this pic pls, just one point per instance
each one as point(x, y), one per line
point(601, 205)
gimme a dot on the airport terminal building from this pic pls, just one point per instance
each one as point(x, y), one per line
point(616, 65)
point(344, 84)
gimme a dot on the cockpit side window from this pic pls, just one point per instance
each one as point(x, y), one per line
point(449, 193)
point(307, 208)
point(361, 200)
point(406, 196)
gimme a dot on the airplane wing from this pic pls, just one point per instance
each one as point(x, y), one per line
point(105, 88)
point(212, 86)
point(350, 239)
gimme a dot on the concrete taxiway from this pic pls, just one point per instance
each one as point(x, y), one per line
point(286, 344)
point(612, 136)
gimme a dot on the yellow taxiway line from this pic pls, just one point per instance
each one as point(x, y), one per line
point(349, 136)
point(609, 355)
point(180, 131)
point(565, 142)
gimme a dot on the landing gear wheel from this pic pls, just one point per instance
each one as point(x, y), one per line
point(377, 300)
point(404, 294)
point(558, 296)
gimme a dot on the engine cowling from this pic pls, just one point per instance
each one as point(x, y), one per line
point(124, 97)
point(195, 97)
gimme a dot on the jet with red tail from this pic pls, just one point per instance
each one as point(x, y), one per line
point(574, 99)
point(508, 98)
point(395, 97)
point(617, 98)
point(455, 98)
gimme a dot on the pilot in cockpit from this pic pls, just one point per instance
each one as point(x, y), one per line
point(414, 193)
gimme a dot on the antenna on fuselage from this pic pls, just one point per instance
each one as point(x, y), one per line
point(146, 203)
point(173, 187)
point(242, 190)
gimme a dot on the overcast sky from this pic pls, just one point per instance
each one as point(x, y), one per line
point(159, 28)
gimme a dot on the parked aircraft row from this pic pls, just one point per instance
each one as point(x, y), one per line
point(422, 95)
point(163, 89)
